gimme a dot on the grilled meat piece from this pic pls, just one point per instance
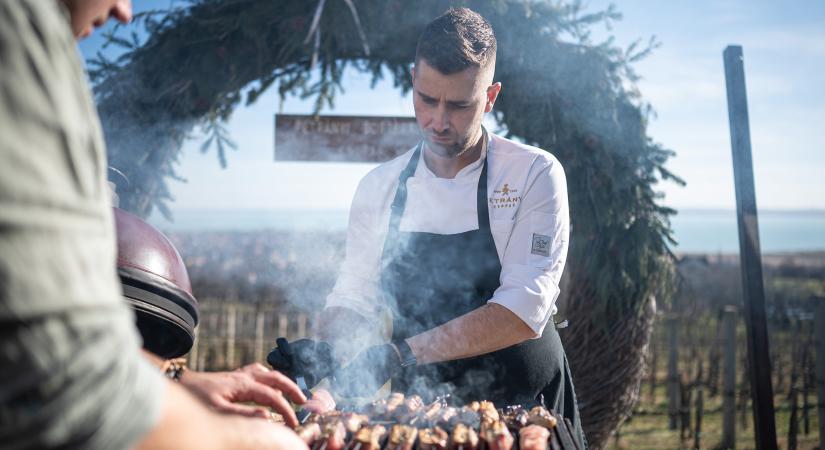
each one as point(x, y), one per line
point(533, 437)
point(516, 417)
point(496, 435)
point(352, 421)
point(368, 438)
point(539, 415)
point(308, 432)
point(488, 411)
point(432, 439)
point(402, 437)
point(333, 435)
point(463, 438)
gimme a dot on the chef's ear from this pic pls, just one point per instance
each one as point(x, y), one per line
point(492, 95)
point(412, 72)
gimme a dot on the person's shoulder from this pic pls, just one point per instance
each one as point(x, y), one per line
point(514, 151)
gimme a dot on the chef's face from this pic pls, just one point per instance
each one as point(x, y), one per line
point(449, 108)
point(88, 14)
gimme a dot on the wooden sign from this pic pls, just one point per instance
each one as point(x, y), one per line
point(343, 138)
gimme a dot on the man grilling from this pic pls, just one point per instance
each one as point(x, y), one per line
point(461, 241)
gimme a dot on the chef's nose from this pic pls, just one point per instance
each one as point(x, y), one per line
point(441, 120)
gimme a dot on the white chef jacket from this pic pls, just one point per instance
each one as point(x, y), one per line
point(529, 221)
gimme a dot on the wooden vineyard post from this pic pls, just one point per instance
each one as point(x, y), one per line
point(793, 425)
point(749, 252)
point(729, 380)
point(193, 354)
point(673, 384)
point(283, 325)
point(259, 336)
point(230, 336)
point(653, 366)
point(302, 325)
point(806, 376)
point(700, 406)
point(819, 339)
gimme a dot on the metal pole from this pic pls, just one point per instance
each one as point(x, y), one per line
point(749, 252)
point(729, 381)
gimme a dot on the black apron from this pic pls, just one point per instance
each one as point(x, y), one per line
point(434, 278)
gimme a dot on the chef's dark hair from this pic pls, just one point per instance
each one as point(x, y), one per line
point(458, 39)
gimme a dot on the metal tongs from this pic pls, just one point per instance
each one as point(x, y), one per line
point(283, 345)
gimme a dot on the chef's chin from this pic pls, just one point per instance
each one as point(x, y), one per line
point(447, 149)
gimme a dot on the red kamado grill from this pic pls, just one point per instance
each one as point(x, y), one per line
point(406, 423)
point(156, 285)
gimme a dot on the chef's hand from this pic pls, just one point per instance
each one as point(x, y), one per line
point(222, 391)
point(368, 371)
point(306, 357)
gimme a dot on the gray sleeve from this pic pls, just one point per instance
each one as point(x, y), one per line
point(71, 373)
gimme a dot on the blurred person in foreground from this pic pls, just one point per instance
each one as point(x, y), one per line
point(462, 241)
point(71, 371)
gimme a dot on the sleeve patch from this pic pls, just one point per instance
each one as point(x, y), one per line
point(541, 245)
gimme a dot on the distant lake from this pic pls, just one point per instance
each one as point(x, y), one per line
point(699, 231)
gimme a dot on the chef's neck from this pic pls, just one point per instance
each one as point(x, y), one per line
point(448, 167)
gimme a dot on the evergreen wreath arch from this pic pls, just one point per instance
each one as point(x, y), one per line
point(561, 92)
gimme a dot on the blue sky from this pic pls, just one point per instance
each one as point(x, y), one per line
point(784, 47)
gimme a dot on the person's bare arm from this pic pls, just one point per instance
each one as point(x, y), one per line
point(483, 330)
point(186, 423)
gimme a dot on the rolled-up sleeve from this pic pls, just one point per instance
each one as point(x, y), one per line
point(71, 372)
point(534, 258)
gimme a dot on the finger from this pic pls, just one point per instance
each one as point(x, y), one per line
point(255, 367)
point(122, 11)
point(265, 395)
point(282, 383)
point(241, 410)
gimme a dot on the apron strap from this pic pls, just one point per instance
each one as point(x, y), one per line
point(399, 202)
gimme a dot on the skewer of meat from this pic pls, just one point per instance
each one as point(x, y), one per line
point(463, 438)
point(395, 400)
point(488, 411)
point(333, 435)
point(496, 436)
point(368, 438)
point(427, 416)
point(468, 417)
point(516, 417)
point(533, 437)
point(432, 439)
point(447, 417)
point(405, 412)
point(402, 437)
point(539, 415)
point(308, 432)
point(352, 421)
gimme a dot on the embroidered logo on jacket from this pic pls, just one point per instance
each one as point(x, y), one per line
point(505, 197)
